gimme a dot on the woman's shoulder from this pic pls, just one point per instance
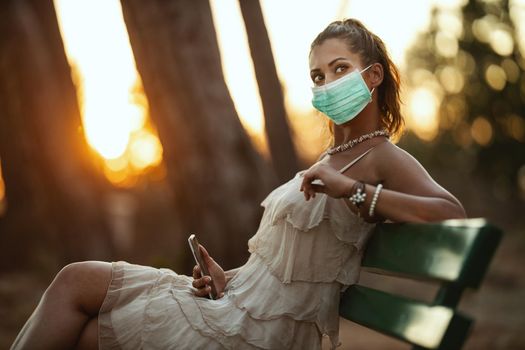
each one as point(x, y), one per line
point(390, 153)
point(394, 160)
point(400, 171)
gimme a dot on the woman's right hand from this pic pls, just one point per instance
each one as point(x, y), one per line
point(216, 275)
point(334, 183)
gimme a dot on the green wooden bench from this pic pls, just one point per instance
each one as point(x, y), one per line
point(454, 253)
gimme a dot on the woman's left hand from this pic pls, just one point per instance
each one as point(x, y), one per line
point(333, 184)
point(217, 276)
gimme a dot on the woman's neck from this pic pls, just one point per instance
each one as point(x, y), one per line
point(366, 122)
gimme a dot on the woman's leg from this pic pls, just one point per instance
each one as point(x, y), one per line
point(71, 300)
point(89, 337)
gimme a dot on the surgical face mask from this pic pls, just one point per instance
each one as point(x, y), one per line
point(343, 99)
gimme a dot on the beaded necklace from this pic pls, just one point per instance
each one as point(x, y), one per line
point(343, 147)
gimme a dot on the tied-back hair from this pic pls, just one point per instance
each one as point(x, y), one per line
point(371, 49)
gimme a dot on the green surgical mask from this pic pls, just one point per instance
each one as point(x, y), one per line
point(343, 99)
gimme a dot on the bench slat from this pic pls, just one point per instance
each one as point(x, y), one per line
point(450, 251)
point(415, 322)
point(454, 253)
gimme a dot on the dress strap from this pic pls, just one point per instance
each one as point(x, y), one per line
point(355, 160)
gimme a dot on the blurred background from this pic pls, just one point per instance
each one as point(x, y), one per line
point(127, 125)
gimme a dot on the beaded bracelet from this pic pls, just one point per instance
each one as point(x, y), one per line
point(358, 195)
point(374, 200)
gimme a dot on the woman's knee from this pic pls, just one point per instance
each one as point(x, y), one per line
point(77, 274)
point(67, 274)
point(85, 282)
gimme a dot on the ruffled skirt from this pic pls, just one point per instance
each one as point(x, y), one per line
point(149, 308)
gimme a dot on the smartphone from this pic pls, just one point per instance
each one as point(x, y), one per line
point(194, 246)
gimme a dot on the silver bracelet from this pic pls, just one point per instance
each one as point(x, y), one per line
point(359, 195)
point(374, 200)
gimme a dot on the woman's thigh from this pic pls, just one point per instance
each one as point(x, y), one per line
point(89, 336)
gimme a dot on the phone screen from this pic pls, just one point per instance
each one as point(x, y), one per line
point(194, 246)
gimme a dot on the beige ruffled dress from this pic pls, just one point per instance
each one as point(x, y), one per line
point(286, 296)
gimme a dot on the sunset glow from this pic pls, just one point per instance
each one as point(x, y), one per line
point(115, 121)
point(238, 69)
point(115, 111)
point(115, 125)
point(118, 128)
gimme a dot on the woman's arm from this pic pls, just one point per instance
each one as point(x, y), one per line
point(403, 207)
point(409, 193)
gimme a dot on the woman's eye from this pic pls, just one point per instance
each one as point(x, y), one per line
point(340, 69)
point(317, 78)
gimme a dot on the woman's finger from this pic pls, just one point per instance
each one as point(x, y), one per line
point(203, 292)
point(201, 282)
point(308, 177)
point(205, 255)
point(314, 189)
point(318, 188)
point(196, 272)
point(309, 189)
point(305, 186)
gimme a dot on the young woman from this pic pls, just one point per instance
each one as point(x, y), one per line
point(307, 249)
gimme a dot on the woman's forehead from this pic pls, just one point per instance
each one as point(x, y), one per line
point(330, 49)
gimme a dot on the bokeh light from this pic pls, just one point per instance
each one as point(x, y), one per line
point(144, 150)
point(483, 27)
point(512, 70)
point(495, 77)
point(481, 131)
point(501, 41)
point(451, 79)
point(446, 44)
point(514, 126)
point(423, 119)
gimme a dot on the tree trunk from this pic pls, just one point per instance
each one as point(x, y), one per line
point(51, 189)
point(280, 143)
point(217, 177)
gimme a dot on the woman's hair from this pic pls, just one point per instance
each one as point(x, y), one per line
point(370, 49)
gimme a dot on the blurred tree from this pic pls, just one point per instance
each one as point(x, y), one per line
point(52, 191)
point(284, 158)
point(470, 60)
point(217, 177)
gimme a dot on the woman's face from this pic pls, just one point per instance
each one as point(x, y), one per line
point(331, 60)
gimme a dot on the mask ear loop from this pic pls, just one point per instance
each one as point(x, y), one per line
point(371, 91)
point(371, 94)
point(366, 68)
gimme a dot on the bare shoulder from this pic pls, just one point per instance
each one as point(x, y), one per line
point(400, 171)
point(390, 155)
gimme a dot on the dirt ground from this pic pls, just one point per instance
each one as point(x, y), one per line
point(498, 307)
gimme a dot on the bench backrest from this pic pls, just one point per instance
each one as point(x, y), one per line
point(455, 253)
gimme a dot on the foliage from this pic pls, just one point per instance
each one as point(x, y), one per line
point(470, 60)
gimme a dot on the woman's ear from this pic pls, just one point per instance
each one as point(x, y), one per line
point(375, 75)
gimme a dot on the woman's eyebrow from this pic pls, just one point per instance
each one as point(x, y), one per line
point(337, 59)
point(330, 64)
